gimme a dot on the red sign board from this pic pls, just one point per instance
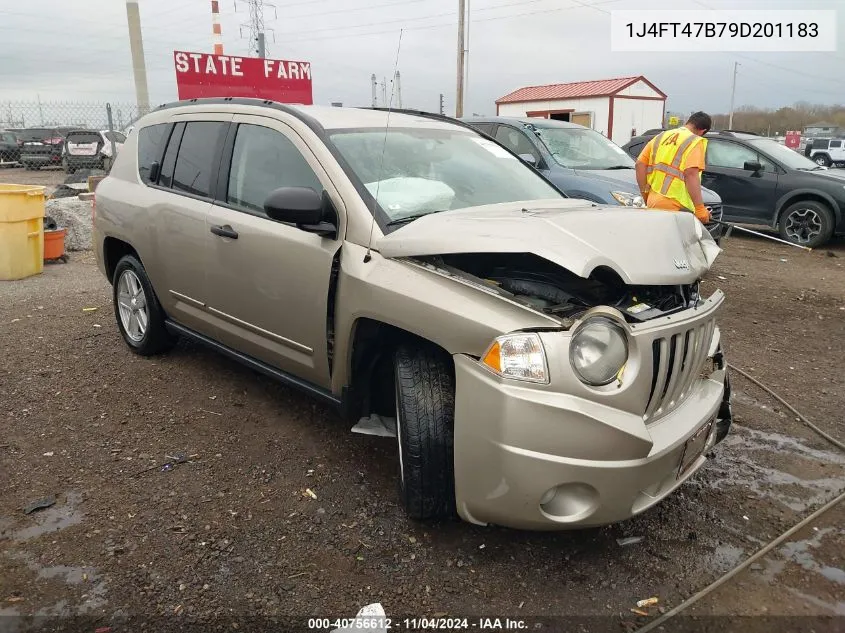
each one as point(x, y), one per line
point(793, 140)
point(201, 75)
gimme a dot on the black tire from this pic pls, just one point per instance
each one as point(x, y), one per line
point(807, 223)
point(155, 339)
point(425, 422)
point(822, 159)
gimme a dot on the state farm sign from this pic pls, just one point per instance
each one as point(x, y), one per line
point(201, 75)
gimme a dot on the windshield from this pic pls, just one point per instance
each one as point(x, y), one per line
point(788, 157)
point(582, 148)
point(429, 170)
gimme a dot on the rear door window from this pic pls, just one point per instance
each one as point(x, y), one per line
point(151, 140)
point(199, 155)
point(487, 128)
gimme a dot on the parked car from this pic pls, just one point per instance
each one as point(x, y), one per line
point(90, 149)
point(579, 160)
point(825, 151)
point(41, 147)
point(763, 182)
point(10, 150)
point(546, 363)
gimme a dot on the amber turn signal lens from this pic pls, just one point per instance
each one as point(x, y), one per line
point(493, 357)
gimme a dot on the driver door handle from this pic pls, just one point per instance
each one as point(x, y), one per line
point(225, 231)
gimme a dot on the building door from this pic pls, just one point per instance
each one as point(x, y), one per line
point(582, 118)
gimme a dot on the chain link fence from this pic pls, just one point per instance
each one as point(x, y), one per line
point(36, 134)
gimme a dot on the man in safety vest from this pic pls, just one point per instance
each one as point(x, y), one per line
point(669, 168)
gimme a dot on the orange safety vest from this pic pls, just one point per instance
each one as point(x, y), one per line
point(665, 172)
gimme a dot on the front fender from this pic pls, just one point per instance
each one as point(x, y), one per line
point(795, 194)
point(458, 317)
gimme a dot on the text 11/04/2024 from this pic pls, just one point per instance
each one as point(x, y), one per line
point(723, 31)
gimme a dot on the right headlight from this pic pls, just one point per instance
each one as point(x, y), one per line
point(598, 351)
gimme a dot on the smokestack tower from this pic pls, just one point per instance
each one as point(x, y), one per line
point(217, 33)
point(136, 46)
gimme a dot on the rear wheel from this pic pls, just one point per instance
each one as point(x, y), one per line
point(139, 315)
point(425, 413)
point(822, 159)
point(807, 223)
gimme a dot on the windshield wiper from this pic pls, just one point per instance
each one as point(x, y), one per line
point(409, 218)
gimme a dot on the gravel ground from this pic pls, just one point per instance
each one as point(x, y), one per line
point(232, 535)
point(47, 176)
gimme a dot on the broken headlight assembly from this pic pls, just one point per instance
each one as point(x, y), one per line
point(598, 351)
point(518, 356)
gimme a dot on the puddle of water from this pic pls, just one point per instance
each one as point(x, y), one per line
point(725, 557)
point(57, 517)
point(741, 469)
point(800, 552)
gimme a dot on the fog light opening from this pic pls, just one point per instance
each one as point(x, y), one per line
point(569, 502)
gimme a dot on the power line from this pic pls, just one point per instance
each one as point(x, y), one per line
point(778, 66)
point(307, 38)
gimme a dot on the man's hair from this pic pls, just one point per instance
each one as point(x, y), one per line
point(700, 120)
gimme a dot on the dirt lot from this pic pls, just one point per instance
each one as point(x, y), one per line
point(231, 539)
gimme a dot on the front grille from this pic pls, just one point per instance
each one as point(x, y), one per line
point(715, 212)
point(677, 361)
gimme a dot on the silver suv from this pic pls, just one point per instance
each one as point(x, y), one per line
point(542, 362)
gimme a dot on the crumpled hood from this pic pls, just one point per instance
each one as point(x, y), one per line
point(644, 247)
point(626, 180)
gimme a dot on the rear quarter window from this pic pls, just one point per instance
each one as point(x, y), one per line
point(151, 140)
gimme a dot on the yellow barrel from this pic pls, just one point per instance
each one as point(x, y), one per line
point(21, 231)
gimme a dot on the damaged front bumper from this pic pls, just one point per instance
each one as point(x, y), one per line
point(549, 457)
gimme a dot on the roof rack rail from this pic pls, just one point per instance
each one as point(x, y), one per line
point(728, 132)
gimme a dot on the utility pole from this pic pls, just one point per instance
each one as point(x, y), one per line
point(139, 66)
point(442, 110)
point(40, 111)
point(256, 27)
point(375, 89)
point(459, 97)
point(733, 93)
point(398, 89)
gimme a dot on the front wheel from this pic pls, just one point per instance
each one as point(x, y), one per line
point(425, 415)
point(139, 315)
point(807, 223)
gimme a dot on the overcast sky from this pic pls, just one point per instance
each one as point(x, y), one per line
point(78, 50)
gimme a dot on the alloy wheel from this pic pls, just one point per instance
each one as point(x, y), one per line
point(803, 225)
point(132, 305)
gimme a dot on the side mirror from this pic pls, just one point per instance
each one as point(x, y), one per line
point(304, 207)
point(752, 166)
point(530, 159)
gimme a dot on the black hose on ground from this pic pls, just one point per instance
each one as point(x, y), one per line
point(809, 424)
point(772, 544)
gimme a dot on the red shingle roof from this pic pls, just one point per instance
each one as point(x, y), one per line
point(601, 88)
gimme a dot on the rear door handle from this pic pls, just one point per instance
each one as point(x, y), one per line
point(225, 231)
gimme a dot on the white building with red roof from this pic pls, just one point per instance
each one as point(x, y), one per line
point(618, 108)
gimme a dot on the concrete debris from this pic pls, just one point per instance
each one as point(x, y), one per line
point(74, 215)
